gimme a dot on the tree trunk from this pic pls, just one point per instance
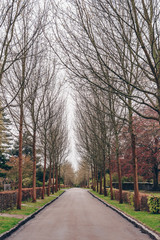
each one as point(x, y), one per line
point(88, 178)
point(134, 160)
point(56, 187)
point(155, 168)
point(53, 177)
point(59, 178)
point(44, 172)
point(49, 182)
point(104, 177)
point(19, 197)
point(110, 172)
point(110, 176)
point(94, 185)
point(97, 178)
point(119, 170)
point(155, 177)
point(101, 182)
point(92, 177)
point(135, 170)
point(34, 167)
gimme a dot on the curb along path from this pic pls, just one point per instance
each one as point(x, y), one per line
point(21, 223)
point(143, 228)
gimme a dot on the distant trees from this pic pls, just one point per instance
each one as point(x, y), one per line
point(83, 175)
point(92, 133)
point(68, 174)
point(53, 137)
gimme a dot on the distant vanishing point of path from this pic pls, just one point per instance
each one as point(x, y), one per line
point(76, 215)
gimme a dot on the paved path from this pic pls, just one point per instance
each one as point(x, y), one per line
point(13, 215)
point(76, 215)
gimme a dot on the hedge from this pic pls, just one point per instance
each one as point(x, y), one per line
point(154, 204)
point(8, 199)
point(147, 202)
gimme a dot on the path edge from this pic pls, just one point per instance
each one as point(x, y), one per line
point(21, 223)
point(137, 224)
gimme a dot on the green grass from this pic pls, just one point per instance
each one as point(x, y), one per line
point(28, 208)
point(150, 220)
point(7, 223)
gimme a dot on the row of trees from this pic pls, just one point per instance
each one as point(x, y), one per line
point(111, 49)
point(30, 93)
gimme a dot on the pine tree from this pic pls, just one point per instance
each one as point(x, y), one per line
point(3, 164)
point(26, 148)
point(5, 143)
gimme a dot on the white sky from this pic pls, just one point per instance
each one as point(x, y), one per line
point(73, 155)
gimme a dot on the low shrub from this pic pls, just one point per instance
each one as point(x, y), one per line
point(39, 184)
point(131, 199)
point(108, 192)
point(125, 196)
point(144, 202)
point(8, 200)
point(154, 204)
point(26, 194)
point(27, 182)
point(116, 194)
point(128, 197)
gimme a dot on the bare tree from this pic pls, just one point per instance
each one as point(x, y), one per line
point(115, 58)
point(10, 16)
point(37, 90)
point(57, 142)
point(68, 174)
point(19, 74)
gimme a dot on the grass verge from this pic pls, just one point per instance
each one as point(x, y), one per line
point(148, 219)
point(6, 223)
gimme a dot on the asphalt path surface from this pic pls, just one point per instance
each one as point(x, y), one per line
point(76, 215)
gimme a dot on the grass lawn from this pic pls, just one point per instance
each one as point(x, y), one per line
point(28, 208)
point(7, 223)
point(149, 219)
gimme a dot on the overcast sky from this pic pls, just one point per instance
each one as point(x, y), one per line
point(73, 156)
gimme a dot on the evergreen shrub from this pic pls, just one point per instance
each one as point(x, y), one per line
point(154, 204)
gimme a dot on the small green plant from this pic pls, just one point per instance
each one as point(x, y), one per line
point(131, 199)
point(107, 180)
point(27, 182)
point(39, 184)
point(154, 204)
point(108, 192)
